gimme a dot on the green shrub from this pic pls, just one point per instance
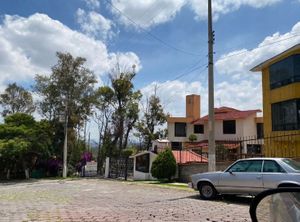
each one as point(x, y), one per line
point(192, 138)
point(164, 166)
point(127, 152)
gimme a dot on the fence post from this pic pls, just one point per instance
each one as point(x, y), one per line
point(126, 167)
point(107, 167)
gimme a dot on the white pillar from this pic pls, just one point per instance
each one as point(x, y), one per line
point(106, 167)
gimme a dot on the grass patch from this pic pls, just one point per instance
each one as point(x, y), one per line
point(182, 186)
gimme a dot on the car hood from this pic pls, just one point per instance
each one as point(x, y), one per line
point(208, 175)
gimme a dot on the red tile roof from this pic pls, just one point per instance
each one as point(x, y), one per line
point(204, 145)
point(227, 113)
point(188, 156)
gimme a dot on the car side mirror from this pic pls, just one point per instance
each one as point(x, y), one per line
point(282, 204)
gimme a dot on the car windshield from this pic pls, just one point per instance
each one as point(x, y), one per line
point(292, 163)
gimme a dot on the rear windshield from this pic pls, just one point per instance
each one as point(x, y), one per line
point(292, 163)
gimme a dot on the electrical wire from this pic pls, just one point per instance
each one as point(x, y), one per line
point(151, 34)
point(265, 45)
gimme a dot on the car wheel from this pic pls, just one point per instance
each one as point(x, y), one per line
point(207, 191)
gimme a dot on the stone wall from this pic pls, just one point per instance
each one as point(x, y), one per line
point(186, 170)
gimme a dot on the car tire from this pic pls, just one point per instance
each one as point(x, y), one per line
point(207, 191)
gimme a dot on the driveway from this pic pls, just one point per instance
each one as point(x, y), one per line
point(107, 200)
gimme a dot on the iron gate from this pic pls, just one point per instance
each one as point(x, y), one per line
point(121, 168)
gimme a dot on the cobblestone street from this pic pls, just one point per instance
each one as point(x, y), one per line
point(105, 200)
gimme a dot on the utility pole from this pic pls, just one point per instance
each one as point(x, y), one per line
point(211, 114)
point(65, 167)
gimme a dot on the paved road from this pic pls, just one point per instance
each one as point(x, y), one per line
point(104, 200)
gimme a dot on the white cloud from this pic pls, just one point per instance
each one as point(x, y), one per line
point(243, 95)
point(152, 12)
point(94, 24)
point(93, 4)
point(238, 63)
point(222, 7)
point(147, 13)
point(242, 89)
point(126, 61)
point(172, 95)
point(28, 47)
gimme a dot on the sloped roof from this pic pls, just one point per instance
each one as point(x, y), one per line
point(267, 62)
point(188, 156)
point(142, 153)
point(227, 113)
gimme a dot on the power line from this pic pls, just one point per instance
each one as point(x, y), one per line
point(170, 98)
point(150, 34)
point(146, 12)
point(189, 70)
point(271, 43)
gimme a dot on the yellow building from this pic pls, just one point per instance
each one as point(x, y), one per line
point(281, 103)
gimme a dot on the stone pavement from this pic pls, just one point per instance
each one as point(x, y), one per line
point(107, 200)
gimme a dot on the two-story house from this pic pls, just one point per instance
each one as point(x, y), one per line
point(230, 125)
point(281, 102)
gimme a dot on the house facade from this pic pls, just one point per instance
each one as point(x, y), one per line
point(281, 102)
point(230, 124)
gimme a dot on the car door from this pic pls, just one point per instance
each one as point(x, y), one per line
point(244, 176)
point(273, 173)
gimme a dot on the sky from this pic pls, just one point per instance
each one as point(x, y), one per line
point(165, 39)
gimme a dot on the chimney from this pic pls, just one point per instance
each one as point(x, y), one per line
point(193, 106)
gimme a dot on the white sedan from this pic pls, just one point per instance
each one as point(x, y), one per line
point(248, 176)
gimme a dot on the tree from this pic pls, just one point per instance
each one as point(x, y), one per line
point(68, 91)
point(16, 99)
point(153, 116)
point(70, 85)
point(102, 116)
point(126, 109)
point(164, 166)
point(21, 136)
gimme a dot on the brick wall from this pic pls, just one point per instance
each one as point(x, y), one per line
point(186, 170)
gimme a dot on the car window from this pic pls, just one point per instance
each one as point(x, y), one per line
point(292, 163)
point(247, 166)
point(270, 166)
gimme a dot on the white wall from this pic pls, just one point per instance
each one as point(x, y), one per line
point(244, 128)
point(171, 134)
point(137, 175)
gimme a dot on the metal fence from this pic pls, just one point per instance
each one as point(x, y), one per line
point(121, 168)
point(273, 145)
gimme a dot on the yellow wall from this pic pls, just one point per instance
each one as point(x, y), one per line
point(279, 147)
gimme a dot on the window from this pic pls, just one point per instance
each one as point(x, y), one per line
point(260, 130)
point(229, 127)
point(180, 129)
point(199, 129)
point(253, 148)
point(285, 72)
point(247, 166)
point(292, 163)
point(271, 166)
point(176, 145)
point(142, 163)
point(286, 115)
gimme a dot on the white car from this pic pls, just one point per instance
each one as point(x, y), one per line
point(248, 176)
